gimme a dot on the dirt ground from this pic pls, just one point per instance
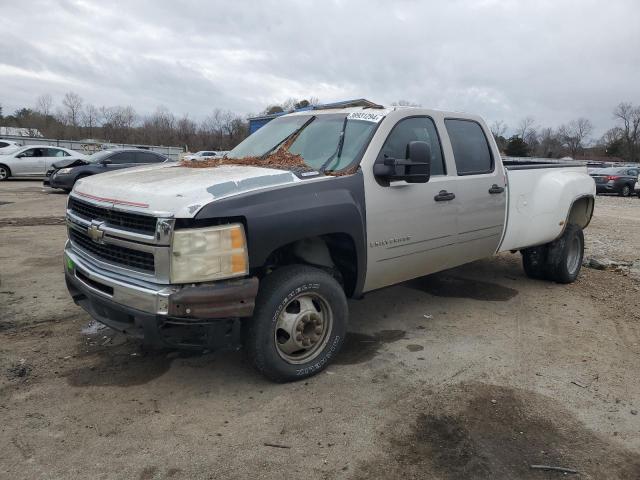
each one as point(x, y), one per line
point(477, 372)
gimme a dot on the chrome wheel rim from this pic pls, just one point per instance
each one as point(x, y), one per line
point(3, 173)
point(573, 255)
point(303, 328)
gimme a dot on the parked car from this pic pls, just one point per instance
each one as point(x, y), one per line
point(204, 154)
point(620, 180)
point(66, 173)
point(34, 161)
point(8, 146)
point(266, 257)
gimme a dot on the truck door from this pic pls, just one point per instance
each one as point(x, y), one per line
point(411, 227)
point(480, 188)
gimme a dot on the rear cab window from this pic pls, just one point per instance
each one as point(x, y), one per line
point(471, 150)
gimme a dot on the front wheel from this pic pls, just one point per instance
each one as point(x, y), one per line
point(299, 323)
point(4, 172)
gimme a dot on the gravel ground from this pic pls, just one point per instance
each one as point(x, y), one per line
point(477, 372)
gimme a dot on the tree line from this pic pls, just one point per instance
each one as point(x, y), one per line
point(75, 119)
point(573, 139)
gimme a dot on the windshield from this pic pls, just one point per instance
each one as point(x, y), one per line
point(318, 142)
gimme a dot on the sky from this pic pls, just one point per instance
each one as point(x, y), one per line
point(503, 59)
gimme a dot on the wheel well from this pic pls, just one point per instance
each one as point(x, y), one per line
point(334, 252)
point(5, 166)
point(581, 212)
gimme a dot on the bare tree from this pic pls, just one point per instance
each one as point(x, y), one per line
point(90, 118)
point(44, 105)
point(629, 116)
point(527, 131)
point(549, 144)
point(574, 134)
point(72, 108)
point(498, 128)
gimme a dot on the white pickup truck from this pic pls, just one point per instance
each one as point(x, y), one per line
point(264, 253)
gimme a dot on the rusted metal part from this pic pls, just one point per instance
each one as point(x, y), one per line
point(233, 298)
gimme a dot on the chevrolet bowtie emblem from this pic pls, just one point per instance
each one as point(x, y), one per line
point(94, 231)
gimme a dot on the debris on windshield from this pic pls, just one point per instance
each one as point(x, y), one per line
point(281, 159)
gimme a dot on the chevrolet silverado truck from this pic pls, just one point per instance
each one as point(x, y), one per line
point(264, 255)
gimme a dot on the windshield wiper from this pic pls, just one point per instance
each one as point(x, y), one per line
point(287, 138)
point(338, 151)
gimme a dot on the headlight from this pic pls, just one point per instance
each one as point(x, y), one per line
point(64, 170)
point(204, 254)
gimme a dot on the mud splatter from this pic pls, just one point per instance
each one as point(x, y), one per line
point(360, 348)
point(477, 431)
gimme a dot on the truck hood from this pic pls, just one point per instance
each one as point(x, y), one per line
point(171, 189)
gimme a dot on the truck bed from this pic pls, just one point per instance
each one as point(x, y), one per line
point(540, 195)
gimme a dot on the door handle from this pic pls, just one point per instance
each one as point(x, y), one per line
point(444, 196)
point(496, 189)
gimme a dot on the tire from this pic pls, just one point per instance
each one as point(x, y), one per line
point(306, 301)
point(5, 172)
point(534, 262)
point(625, 191)
point(564, 257)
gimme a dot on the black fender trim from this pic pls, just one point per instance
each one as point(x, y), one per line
point(277, 217)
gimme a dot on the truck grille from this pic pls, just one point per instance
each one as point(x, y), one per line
point(115, 254)
point(133, 221)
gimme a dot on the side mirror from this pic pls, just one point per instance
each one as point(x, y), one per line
point(416, 168)
point(105, 162)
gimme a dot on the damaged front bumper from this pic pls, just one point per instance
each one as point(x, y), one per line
point(191, 316)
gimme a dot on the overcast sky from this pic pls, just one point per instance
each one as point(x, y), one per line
point(504, 59)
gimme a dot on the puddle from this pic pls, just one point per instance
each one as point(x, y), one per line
point(456, 287)
point(477, 431)
point(360, 347)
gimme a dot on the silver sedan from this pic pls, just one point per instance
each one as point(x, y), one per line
point(34, 160)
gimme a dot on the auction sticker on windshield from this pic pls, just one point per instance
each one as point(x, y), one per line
point(374, 117)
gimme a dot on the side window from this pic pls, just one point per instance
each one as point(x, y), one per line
point(146, 157)
point(30, 152)
point(54, 152)
point(3, 144)
point(414, 129)
point(122, 158)
point(470, 147)
point(34, 152)
point(632, 172)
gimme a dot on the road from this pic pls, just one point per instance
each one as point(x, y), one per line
point(477, 372)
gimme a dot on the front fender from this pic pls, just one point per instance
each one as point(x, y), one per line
point(282, 215)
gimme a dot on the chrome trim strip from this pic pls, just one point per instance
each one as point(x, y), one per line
point(149, 297)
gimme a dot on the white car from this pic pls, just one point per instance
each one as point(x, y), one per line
point(8, 146)
point(34, 160)
point(201, 155)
